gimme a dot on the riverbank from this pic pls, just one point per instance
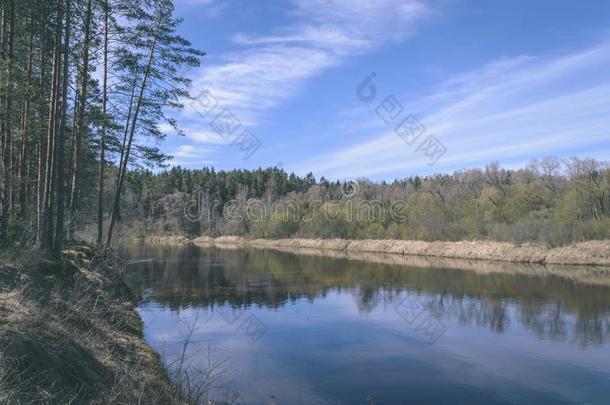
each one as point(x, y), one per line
point(69, 333)
point(590, 253)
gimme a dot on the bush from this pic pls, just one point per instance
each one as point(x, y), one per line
point(375, 231)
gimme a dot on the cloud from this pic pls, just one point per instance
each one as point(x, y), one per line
point(190, 151)
point(211, 8)
point(196, 2)
point(207, 137)
point(273, 68)
point(374, 22)
point(511, 109)
point(254, 81)
point(165, 128)
point(326, 38)
point(191, 156)
point(267, 70)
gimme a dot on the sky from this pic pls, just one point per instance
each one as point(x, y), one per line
point(388, 89)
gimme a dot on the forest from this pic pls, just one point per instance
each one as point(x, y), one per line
point(551, 201)
point(106, 250)
point(84, 88)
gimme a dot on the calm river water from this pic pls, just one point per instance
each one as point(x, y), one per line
point(284, 328)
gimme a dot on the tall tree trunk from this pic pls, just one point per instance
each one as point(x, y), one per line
point(7, 34)
point(59, 230)
point(132, 130)
point(128, 121)
point(132, 98)
point(73, 140)
point(8, 125)
point(80, 129)
point(44, 237)
point(100, 196)
point(25, 121)
point(3, 210)
point(41, 149)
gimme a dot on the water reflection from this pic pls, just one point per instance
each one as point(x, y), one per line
point(551, 306)
point(332, 335)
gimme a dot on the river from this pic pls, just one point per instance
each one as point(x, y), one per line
point(284, 328)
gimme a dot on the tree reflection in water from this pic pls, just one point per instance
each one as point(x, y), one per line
point(552, 305)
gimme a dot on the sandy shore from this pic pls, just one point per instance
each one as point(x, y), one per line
point(596, 253)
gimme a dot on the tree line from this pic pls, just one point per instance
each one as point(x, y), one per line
point(84, 86)
point(552, 201)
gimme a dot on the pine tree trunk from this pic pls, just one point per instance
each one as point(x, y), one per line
point(100, 196)
point(40, 176)
point(8, 123)
point(59, 230)
point(44, 239)
point(3, 210)
point(25, 120)
point(72, 142)
point(127, 149)
point(80, 129)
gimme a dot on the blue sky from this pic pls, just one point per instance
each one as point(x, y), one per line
point(503, 81)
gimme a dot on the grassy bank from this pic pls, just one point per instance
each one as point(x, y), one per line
point(69, 333)
point(590, 253)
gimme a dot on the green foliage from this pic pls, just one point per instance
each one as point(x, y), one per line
point(84, 85)
point(540, 204)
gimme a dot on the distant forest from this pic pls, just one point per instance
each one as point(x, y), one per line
point(551, 201)
point(87, 86)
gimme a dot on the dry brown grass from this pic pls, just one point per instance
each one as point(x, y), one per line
point(583, 253)
point(69, 334)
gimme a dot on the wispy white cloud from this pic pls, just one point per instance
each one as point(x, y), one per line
point(210, 8)
point(320, 37)
point(373, 22)
point(274, 68)
point(197, 2)
point(269, 69)
point(207, 136)
point(191, 155)
point(165, 128)
point(190, 151)
point(252, 82)
point(510, 109)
